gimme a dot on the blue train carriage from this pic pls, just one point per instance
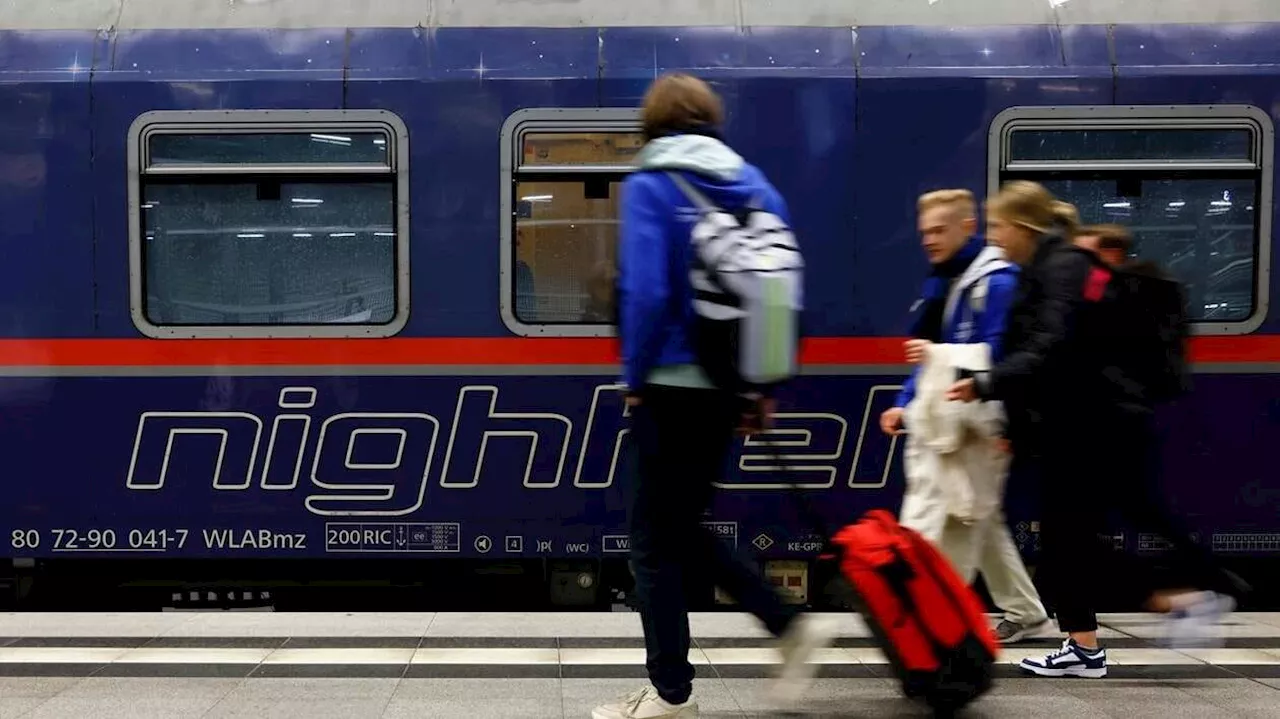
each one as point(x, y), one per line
point(290, 290)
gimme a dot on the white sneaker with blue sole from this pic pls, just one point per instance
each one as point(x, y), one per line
point(1194, 619)
point(1071, 660)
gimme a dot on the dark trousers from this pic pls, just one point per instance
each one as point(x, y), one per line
point(1108, 465)
point(683, 437)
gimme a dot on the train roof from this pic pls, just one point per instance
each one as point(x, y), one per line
point(290, 14)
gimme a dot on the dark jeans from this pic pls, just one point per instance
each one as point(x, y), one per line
point(683, 437)
point(1108, 465)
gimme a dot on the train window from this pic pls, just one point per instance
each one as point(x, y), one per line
point(1193, 184)
point(1146, 145)
point(269, 224)
point(250, 148)
point(567, 237)
point(563, 171)
point(579, 148)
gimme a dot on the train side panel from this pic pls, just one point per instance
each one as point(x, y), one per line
point(124, 445)
point(46, 196)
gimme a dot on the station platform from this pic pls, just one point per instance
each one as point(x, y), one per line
point(266, 664)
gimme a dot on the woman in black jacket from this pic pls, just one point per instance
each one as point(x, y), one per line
point(1041, 363)
point(1068, 418)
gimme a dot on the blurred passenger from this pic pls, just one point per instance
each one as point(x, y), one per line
point(600, 294)
point(683, 426)
point(526, 289)
point(1072, 411)
point(957, 465)
point(1111, 243)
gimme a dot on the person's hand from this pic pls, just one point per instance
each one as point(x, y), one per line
point(891, 421)
point(768, 408)
point(633, 400)
point(963, 391)
point(915, 350)
point(757, 416)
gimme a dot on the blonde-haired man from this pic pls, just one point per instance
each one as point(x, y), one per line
point(965, 301)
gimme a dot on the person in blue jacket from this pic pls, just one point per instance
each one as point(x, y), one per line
point(683, 425)
point(966, 300)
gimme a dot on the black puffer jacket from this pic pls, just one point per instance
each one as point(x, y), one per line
point(1052, 366)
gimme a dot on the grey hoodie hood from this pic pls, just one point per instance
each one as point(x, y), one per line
point(694, 153)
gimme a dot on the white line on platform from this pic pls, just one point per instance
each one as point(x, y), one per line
point(59, 655)
point(339, 656)
point(189, 655)
point(569, 657)
point(466, 655)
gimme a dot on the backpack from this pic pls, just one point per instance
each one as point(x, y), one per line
point(1148, 314)
point(747, 278)
point(1158, 310)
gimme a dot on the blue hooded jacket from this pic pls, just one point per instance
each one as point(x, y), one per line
point(962, 324)
point(655, 298)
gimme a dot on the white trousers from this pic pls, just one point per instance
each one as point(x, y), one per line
point(984, 546)
point(987, 547)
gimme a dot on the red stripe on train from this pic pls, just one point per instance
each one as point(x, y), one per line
point(477, 351)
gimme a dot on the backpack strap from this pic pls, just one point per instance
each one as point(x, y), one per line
point(978, 295)
point(698, 199)
point(754, 204)
point(707, 274)
point(973, 282)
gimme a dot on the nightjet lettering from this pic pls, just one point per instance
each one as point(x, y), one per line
point(380, 464)
point(477, 421)
point(819, 450)
point(606, 433)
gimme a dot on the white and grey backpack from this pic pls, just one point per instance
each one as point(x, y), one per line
point(747, 275)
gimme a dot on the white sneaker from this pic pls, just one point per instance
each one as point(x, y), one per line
point(1194, 618)
point(645, 704)
point(1071, 660)
point(807, 635)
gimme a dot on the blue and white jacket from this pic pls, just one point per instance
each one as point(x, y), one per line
point(977, 308)
point(655, 297)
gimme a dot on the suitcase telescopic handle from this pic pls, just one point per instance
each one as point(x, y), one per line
point(808, 514)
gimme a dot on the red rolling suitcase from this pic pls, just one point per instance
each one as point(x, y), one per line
point(928, 621)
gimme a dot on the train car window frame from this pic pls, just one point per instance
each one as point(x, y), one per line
point(269, 122)
point(517, 127)
point(1258, 167)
